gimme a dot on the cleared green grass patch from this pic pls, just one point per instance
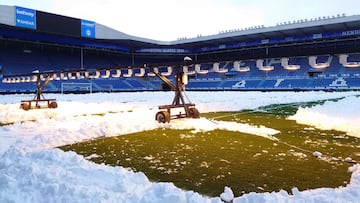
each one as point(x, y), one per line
point(207, 161)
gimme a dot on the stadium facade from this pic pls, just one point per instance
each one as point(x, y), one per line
point(309, 54)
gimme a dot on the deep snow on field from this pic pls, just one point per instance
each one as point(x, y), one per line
point(33, 170)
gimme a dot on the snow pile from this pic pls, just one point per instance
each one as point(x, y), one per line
point(227, 195)
point(236, 101)
point(343, 115)
point(317, 154)
point(203, 125)
point(56, 176)
point(31, 170)
point(62, 130)
point(350, 193)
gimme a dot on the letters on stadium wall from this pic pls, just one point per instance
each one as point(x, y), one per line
point(25, 17)
point(87, 28)
point(160, 50)
point(350, 33)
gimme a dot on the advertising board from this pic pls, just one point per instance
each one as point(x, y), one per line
point(25, 17)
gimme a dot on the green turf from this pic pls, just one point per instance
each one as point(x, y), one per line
point(207, 161)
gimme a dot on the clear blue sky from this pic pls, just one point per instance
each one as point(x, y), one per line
point(171, 19)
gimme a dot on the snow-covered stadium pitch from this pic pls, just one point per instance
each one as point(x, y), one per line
point(33, 169)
